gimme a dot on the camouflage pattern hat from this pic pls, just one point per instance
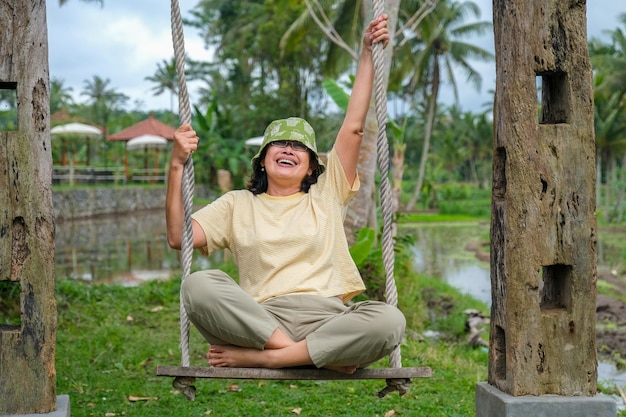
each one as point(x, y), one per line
point(294, 129)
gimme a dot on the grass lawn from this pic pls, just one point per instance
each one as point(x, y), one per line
point(111, 338)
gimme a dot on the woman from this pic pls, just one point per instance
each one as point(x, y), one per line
point(286, 236)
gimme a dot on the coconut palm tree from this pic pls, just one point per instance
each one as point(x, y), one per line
point(102, 99)
point(166, 79)
point(60, 95)
point(436, 52)
point(609, 64)
point(610, 60)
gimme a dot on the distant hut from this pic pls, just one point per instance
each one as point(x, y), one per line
point(150, 126)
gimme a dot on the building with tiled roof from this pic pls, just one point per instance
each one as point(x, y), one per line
point(149, 126)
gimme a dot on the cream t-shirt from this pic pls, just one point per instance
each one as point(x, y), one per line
point(287, 245)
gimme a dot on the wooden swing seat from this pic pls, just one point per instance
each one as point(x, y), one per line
point(291, 373)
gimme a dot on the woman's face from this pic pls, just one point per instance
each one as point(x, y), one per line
point(286, 167)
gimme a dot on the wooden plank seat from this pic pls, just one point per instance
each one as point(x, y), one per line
point(291, 373)
point(398, 379)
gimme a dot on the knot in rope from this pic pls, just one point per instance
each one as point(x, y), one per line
point(395, 384)
point(185, 385)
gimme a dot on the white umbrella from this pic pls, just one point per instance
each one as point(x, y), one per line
point(146, 142)
point(255, 141)
point(78, 129)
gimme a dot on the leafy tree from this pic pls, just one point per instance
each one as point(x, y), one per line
point(611, 60)
point(609, 64)
point(430, 58)
point(257, 80)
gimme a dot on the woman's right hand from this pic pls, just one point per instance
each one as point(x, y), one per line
point(185, 144)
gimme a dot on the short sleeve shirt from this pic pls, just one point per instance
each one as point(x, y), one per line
point(287, 245)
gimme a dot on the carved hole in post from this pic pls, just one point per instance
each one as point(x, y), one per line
point(554, 97)
point(500, 353)
point(556, 292)
point(8, 106)
point(10, 306)
point(499, 173)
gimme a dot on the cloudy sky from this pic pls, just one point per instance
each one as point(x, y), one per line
point(126, 39)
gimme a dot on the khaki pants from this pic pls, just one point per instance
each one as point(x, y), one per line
point(336, 334)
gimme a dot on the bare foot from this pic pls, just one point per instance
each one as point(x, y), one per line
point(349, 369)
point(236, 357)
point(293, 354)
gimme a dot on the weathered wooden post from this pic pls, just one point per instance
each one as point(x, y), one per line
point(27, 350)
point(542, 355)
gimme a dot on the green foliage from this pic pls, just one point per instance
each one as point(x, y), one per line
point(363, 245)
point(339, 96)
point(217, 152)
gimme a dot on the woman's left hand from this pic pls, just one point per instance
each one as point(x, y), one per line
point(377, 32)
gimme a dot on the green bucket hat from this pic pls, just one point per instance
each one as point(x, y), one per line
point(294, 129)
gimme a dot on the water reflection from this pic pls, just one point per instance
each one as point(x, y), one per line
point(455, 253)
point(125, 249)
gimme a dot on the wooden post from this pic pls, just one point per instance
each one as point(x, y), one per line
point(27, 350)
point(543, 224)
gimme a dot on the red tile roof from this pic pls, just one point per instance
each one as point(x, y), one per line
point(149, 126)
point(63, 116)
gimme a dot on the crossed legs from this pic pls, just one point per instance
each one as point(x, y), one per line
point(287, 331)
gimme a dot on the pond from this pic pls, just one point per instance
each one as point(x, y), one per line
point(131, 249)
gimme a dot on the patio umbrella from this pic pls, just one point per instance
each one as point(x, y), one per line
point(76, 130)
point(145, 142)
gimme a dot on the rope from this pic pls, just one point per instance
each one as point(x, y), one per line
point(380, 97)
point(391, 292)
point(184, 384)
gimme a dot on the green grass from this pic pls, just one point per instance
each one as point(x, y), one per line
point(111, 338)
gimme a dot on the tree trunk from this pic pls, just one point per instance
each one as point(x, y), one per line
point(27, 350)
point(619, 205)
point(428, 132)
point(362, 208)
point(399, 150)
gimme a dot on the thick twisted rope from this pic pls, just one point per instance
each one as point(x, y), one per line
point(391, 293)
point(380, 96)
point(184, 384)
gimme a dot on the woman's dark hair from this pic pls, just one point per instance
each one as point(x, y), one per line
point(258, 180)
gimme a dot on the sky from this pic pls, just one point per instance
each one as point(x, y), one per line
point(125, 40)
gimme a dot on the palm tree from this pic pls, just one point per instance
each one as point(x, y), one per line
point(102, 99)
point(609, 64)
point(166, 79)
point(611, 60)
point(432, 57)
point(60, 95)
